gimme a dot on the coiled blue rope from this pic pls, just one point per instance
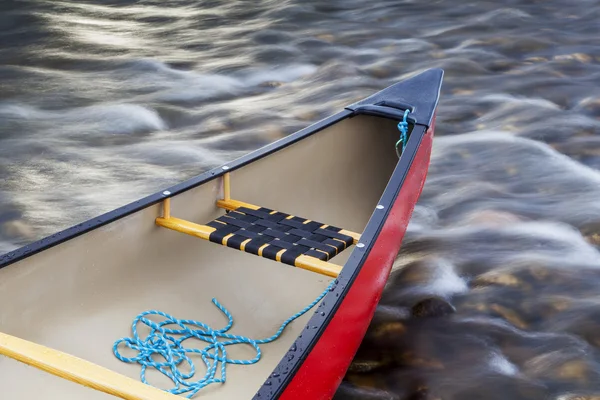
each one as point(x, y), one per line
point(161, 342)
point(403, 127)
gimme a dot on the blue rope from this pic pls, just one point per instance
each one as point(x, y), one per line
point(403, 127)
point(161, 342)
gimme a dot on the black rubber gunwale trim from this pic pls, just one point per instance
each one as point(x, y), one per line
point(305, 342)
point(72, 232)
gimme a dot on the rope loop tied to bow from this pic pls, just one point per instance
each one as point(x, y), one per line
point(403, 127)
point(165, 344)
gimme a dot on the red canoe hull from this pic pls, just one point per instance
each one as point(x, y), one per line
point(323, 370)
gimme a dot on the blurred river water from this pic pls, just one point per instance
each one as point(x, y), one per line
point(496, 291)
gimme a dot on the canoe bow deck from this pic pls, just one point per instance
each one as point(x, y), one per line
point(332, 200)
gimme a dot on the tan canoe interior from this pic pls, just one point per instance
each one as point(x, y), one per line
point(82, 295)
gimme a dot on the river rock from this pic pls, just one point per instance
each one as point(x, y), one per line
point(363, 365)
point(591, 106)
point(492, 217)
point(561, 365)
point(509, 315)
point(432, 307)
point(499, 278)
point(348, 391)
point(17, 229)
point(392, 329)
point(501, 387)
point(409, 358)
point(420, 393)
point(375, 381)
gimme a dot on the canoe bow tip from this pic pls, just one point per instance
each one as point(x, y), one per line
point(420, 93)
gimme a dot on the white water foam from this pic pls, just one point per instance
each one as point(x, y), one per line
point(170, 84)
point(499, 363)
point(536, 165)
point(102, 118)
point(444, 282)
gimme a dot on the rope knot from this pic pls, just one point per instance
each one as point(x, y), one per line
point(403, 127)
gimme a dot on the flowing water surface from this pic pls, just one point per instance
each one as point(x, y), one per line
point(496, 291)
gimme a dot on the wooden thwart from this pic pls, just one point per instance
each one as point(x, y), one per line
point(204, 231)
point(79, 371)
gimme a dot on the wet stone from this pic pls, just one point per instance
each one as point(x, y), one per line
point(363, 366)
point(17, 229)
point(419, 272)
point(538, 310)
point(381, 70)
point(326, 37)
point(420, 393)
point(307, 115)
point(432, 307)
point(539, 273)
point(270, 84)
point(482, 299)
point(492, 218)
point(562, 366)
point(500, 387)
point(580, 57)
point(411, 359)
point(389, 313)
point(347, 391)
point(370, 380)
point(499, 278)
point(390, 329)
point(576, 370)
point(509, 315)
point(590, 106)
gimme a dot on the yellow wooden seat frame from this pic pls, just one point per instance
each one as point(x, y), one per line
point(204, 231)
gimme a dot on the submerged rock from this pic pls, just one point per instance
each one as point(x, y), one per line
point(492, 217)
point(499, 278)
point(368, 365)
point(347, 391)
point(411, 359)
point(562, 366)
point(420, 393)
point(509, 315)
point(394, 328)
point(432, 307)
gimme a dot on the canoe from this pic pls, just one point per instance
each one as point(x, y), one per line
point(263, 273)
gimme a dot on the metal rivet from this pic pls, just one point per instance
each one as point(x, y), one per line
point(379, 207)
point(225, 167)
point(360, 245)
point(166, 193)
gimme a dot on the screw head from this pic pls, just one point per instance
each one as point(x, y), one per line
point(225, 167)
point(380, 207)
point(360, 245)
point(166, 193)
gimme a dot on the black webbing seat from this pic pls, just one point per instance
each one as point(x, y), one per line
point(277, 236)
